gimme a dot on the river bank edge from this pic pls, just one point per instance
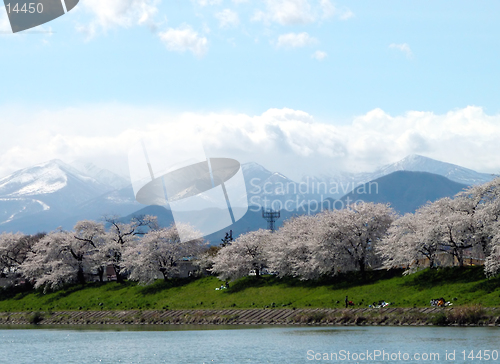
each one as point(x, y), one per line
point(436, 316)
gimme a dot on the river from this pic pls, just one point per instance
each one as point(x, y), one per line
point(235, 345)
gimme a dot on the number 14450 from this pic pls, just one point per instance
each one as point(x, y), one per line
point(26, 8)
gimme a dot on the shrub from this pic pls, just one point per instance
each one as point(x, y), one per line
point(35, 318)
point(466, 315)
point(439, 320)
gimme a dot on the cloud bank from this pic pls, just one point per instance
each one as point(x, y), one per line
point(285, 140)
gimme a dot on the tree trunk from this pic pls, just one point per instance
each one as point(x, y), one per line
point(460, 258)
point(80, 277)
point(119, 276)
point(100, 273)
point(362, 269)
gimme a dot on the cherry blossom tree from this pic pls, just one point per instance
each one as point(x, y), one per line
point(455, 228)
point(93, 233)
point(205, 260)
point(467, 223)
point(482, 203)
point(310, 246)
point(443, 226)
point(294, 249)
point(492, 263)
point(14, 249)
point(58, 259)
point(411, 238)
point(159, 252)
point(349, 237)
point(120, 235)
point(246, 253)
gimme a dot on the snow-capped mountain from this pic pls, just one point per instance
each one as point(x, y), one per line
point(418, 163)
point(51, 186)
point(255, 170)
point(45, 178)
point(346, 182)
point(119, 202)
point(272, 190)
point(101, 175)
point(52, 194)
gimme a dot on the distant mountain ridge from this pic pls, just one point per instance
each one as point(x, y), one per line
point(418, 163)
point(46, 178)
point(405, 191)
point(101, 175)
point(52, 189)
point(51, 186)
point(52, 194)
point(412, 163)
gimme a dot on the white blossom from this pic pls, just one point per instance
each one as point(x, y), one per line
point(58, 259)
point(159, 252)
point(246, 253)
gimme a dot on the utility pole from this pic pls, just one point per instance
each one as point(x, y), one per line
point(271, 216)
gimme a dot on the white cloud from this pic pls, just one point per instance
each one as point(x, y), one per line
point(319, 55)
point(403, 47)
point(184, 39)
point(208, 2)
point(227, 18)
point(345, 14)
point(118, 13)
point(295, 40)
point(286, 12)
point(4, 22)
point(295, 140)
point(327, 8)
point(298, 12)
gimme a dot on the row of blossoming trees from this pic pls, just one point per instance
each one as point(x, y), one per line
point(361, 237)
point(447, 232)
point(139, 250)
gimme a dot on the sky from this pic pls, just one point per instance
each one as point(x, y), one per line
point(299, 86)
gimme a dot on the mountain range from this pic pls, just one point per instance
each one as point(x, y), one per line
point(405, 191)
point(55, 194)
point(412, 163)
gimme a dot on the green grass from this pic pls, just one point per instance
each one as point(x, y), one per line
point(461, 286)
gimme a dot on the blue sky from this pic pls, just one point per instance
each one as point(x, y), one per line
point(425, 71)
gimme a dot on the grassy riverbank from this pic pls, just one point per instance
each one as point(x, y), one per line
point(461, 286)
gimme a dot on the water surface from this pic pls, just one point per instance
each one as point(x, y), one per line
point(234, 344)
